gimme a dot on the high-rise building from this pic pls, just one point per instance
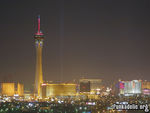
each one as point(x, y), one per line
point(130, 87)
point(90, 85)
point(39, 37)
point(8, 89)
point(12, 89)
point(146, 87)
point(85, 86)
point(20, 89)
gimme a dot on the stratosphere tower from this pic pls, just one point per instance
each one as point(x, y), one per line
point(39, 37)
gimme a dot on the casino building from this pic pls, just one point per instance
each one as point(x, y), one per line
point(12, 89)
point(58, 90)
point(130, 88)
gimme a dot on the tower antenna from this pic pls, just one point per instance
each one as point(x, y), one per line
point(38, 23)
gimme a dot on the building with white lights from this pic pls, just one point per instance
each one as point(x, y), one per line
point(128, 88)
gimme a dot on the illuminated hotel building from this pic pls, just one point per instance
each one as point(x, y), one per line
point(8, 89)
point(130, 87)
point(11, 89)
point(53, 90)
point(39, 37)
point(146, 87)
point(20, 89)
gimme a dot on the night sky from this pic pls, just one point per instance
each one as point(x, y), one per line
point(108, 39)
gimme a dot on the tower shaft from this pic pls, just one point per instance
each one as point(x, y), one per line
point(39, 73)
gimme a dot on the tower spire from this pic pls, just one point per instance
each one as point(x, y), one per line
point(39, 33)
point(38, 23)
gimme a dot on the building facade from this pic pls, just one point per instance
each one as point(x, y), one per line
point(12, 89)
point(146, 87)
point(90, 85)
point(133, 87)
point(53, 90)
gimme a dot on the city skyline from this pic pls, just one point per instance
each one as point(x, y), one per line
point(102, 39)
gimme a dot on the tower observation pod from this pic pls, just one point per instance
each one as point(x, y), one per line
point(39, 37)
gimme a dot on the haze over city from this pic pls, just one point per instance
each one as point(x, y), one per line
point(99, 39)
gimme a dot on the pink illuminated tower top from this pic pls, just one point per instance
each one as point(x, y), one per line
point(39, 34)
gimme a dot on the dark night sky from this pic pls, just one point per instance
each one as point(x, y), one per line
point(106, 39)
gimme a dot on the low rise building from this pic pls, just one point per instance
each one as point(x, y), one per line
point(53, 90)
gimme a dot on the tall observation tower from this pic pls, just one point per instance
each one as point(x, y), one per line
point(39, 37)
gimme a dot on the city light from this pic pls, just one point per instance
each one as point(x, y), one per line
point(86, 56)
